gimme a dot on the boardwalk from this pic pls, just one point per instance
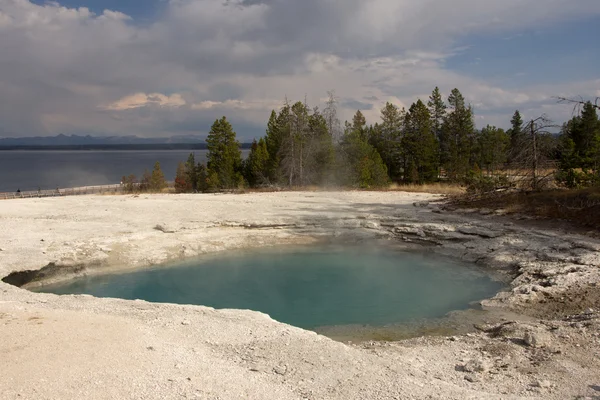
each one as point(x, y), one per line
point(78, 191)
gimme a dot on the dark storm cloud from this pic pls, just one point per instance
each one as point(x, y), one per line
point(356, 105)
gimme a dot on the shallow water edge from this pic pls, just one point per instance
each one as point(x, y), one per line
point(459, 321)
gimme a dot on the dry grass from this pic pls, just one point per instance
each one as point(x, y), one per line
point(581, 207)
point(452, 189)
point(525, 172)
point(434, 188)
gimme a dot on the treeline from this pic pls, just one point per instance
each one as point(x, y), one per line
point(431, 141)
point(302, 147)
point(579, 149)
point(154, 181)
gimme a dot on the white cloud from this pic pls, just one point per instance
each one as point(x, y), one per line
point(68, 70)
point(115, 15)
point(259, 105)
point(139, 100)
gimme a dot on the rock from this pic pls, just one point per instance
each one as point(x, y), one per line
point(528, 289)
point(162, 229)
point(475, 365)
point(422, 204)
point(477, 231)
point(185, 322)
point(410, 231)
point(537, 338)
point(280, 369)
point(544, 384)
point(587, 246)
point(371, 225)
point(472, 378)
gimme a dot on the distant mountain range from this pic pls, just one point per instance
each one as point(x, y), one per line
point(76, 140)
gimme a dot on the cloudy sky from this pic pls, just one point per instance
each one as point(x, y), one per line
point(170, 67)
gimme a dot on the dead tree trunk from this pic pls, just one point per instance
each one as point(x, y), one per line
point(535, 155)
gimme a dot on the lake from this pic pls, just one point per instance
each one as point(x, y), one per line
point(49, 169)
point(308, 287)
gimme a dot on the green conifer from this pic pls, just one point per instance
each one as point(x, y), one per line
point(457, 134)
point(224, 155)
point(157, 179)
point(420, 145)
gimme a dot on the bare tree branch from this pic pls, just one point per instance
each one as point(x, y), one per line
point(577, 103)
point(531, 163)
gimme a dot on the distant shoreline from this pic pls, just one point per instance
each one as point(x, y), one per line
point(131, 147)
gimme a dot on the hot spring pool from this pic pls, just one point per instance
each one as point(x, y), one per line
point(306, 287)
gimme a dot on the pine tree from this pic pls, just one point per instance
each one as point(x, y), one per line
point(190, 170)
point(492, 147)
point(273, 141)
point(457, 135)
point(420, 145)
point(359, 125)
point(294, 151)
point(213, 183)
point(580, 149)
point(517, 136)
point(359, 122)
point(224, 156)
point(256, 165)
point(320, 156)
point(301, 129)
point(386, 138)
point(300, 148)
point(568, 159)
point(437, 110)
point(157, 179)
point(182, 183)
point(586, 137)
point(202, 178)
point(279, 144)
point(359, 163)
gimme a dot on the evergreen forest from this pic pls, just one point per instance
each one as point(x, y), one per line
point(434, 140)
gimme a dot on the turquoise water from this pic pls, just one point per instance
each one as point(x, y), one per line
point(306, 287)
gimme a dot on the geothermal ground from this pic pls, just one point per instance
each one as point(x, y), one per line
point(74, 347)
